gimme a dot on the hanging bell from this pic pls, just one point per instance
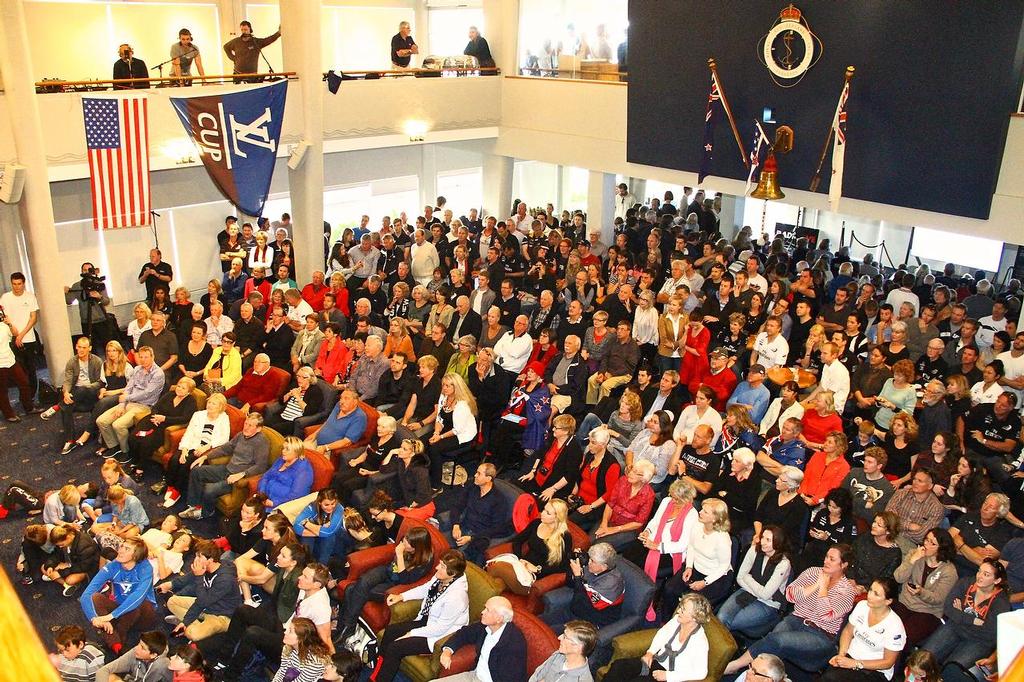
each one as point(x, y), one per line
point(768, 183)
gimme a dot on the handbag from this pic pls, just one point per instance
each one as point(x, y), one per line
point(363, 643)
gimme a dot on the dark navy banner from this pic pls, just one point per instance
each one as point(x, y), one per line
point(237, 134)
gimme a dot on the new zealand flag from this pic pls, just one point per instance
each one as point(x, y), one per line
point(710, 119)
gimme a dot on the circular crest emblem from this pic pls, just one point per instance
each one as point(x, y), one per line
point(790, 48)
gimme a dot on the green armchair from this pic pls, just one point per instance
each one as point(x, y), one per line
point(424, 668)
point(634, 645)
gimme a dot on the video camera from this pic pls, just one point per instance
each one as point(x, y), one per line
point(91, 281)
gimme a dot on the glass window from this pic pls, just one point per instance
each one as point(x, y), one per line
point(535, 182)
point(449, 29)
point(575, 188)
point(463, 189)
point(555, 34)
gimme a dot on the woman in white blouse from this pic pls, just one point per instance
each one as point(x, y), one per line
point(988, 389)
point(261, 255)
point(645, 326)
point(444, 609)
point(679, 651)
point(140, 324)
point(871, 642)
point(708, 560)
point(700, 412)
point(455, 425)
point(206, 430)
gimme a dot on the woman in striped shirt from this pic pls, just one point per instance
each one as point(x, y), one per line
point(822, 598)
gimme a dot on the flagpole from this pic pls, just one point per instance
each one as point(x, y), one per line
point(816, 180)
point(728, 112)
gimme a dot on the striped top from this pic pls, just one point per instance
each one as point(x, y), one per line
point(83, 667)
point(828, 612)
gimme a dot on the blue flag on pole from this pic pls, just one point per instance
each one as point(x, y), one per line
point(237, 134)
point(710, 119)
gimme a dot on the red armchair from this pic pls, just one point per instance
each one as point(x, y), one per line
point(323, 472)
point(534, 601)
point(378, 614)
point(371, 430)
point(172, 439)
point(541, 642)
point(282, 378)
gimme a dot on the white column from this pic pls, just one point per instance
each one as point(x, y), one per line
point(36, 208)
point(601, 203)
point(501, 29)
point(428, 176)
point(730, 220)
point(421, 32)
point(638, 188)
point(498, 185)
point(300, 46)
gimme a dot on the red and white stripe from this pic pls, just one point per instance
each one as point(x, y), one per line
point(119, 178)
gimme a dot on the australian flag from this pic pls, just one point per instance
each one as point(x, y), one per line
point(710, 119)
point(237, 134)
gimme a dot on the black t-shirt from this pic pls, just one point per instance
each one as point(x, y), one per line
point(899, 458)
point(400, 43)
point(703, 468)
point(983, 418)
point(977, 535)
point(152, 283)
point(928, 369)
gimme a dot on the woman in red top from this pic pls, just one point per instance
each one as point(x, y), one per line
point(597, 480)
point(334, 354)
point(340, 292)
point(819, 420)
point(826, 469)
point(543, 350)
point(694, 364)
point(628, 507)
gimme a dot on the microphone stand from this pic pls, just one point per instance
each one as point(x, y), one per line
point(160, 67)
point(156, 239)
point(270, 69)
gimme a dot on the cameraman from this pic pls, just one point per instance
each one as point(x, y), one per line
point(91, 294)
point(597, 590)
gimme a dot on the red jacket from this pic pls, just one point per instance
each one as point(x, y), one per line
point(723, 384)
point(253, 389)
point(314, 296)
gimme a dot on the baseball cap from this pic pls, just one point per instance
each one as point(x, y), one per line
point(721, 352)
point(759, 368)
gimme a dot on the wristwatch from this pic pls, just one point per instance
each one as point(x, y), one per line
point(860, 665)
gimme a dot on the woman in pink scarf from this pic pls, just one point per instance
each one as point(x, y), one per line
point(661, 547)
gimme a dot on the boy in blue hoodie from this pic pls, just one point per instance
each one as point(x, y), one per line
point(130, 603)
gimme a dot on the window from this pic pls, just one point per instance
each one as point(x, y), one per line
point(575, 188)
point(962, 249)
point(590, 29)
point(535, 182)
point(449, 29)
point(463, 189)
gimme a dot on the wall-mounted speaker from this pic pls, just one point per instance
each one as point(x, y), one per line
point(12, 182)
point(298, 154)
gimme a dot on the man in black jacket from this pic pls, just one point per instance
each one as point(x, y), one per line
point(394, 383)
point(127, 66)
point(662, 396)
point(566, 377)
point(485, 516)
point(505, 654)
point(466, 321)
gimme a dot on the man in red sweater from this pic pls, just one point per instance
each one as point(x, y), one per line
point(719, 377)
point(314, 292)
point(258, 386)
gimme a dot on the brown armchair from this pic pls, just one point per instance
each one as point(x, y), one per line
point(534, 601)
point(230, 503)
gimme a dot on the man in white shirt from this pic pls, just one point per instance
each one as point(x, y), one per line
point(514, 348)
point(298, 309)
point(756, 281)
point(498, 642)
point(897, 297)
point(423, 258)
point(678, 279)
point(1013, 365)
point(770, 348)
point(990, 324)
point(623, 200)
point(521, 221)
point(314, 601)
point(834, 377)
point(22, 311)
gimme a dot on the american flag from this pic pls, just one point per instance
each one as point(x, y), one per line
point(835, 187)
point(117, 139)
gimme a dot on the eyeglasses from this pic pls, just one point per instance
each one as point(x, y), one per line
point(753, 674)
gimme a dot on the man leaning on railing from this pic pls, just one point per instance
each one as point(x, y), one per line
point(244, 50)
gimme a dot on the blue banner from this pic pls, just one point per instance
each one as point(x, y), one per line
point(238, 135)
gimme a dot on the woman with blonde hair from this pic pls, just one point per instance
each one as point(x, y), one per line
point(820, 419)
point(206, 430)
point(116, 373)
point(214, 292)
point(261, 255)
point(290, 477)
point(543, 548)
point(708, 560)
point(811, 358)
point(419, 310)
point(181, 309)
point(398, 340)
point(455, 425)
point(140, 324)
point(738, 431)
point(413, 495)
point(464, 357)
point(554, 471)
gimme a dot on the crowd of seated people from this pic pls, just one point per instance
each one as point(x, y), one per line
point(512, 437)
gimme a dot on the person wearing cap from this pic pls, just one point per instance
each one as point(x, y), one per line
point(720, 378)
point(586, 256)
point(752, 394)
point(770, 348)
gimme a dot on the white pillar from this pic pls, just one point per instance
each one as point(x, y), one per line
point(730, 220)
point(428, 177)
point(36, 208)
point(300, 45)
point(501, 29)
point(601, 203)
point(498, 186)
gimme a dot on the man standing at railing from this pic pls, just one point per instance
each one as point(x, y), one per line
point(183, 53)
point(403, 47)
point(478, 47)
point(129, 67)
point(245, 49)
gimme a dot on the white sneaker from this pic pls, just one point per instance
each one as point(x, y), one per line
point(48, 413)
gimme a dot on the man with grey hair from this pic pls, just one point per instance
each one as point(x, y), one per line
point(500, 648)
point(365, 378)
point(363, 258)
point(423, 257)
point(981, 534)
point(765, 667)
point(979, 304)
point(934, 415)
point(596, 591)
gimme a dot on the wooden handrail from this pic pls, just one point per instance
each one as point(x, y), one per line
point(414, 72)
point(589, 81)
point(21, 652)
point(165, 79)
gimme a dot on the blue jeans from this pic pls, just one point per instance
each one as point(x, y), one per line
point(589, 423)
point(322, 547)
point(666, 363)
point(797, 642)
point(751, 620)
point(205, 484)
point(950, 646)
